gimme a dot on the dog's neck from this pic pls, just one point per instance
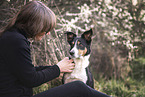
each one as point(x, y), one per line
point(79, 72)
point(81, 63)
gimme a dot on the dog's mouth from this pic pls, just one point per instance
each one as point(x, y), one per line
point(71, 53)
point(74, 56)
point(71, 56)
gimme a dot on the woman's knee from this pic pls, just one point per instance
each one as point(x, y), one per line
point(80, 86)
point(79, 83)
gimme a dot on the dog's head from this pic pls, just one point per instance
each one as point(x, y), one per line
point(80, 46)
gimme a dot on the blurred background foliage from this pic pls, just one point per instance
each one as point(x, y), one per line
point(118, 49)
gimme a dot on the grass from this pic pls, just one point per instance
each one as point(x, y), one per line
point(120, 88)
point(116, 88)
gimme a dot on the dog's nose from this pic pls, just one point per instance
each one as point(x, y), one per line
point(71, 53)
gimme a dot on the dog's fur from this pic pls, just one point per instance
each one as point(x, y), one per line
point(80, 53)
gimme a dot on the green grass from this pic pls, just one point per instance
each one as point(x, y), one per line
point(116, 88)
point(120, 88)
point(41, 88)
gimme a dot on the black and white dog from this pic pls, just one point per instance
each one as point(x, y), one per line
point(80, 53)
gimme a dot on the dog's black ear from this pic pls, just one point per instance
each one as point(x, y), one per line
point(87, 36)
point(70, 36)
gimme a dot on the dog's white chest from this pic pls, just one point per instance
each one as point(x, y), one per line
point(79, 73)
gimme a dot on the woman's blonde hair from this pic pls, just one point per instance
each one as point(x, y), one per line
point(33, 18)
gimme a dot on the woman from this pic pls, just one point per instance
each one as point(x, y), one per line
point(17, 73)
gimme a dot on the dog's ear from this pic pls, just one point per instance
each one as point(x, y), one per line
point(70, 36)
point(87, 36)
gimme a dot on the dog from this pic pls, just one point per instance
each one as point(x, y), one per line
point(80, 53)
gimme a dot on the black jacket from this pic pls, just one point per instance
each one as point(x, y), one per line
point(17, 73)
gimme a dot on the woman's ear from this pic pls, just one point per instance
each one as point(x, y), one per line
point(70, 36)
point(87, 36)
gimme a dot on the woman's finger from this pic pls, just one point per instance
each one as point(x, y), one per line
point(69, 70)
point(72, 64)
point(72, 68)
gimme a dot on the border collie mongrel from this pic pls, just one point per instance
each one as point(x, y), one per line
point(80, 53)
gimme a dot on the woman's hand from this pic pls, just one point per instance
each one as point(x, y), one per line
point(66, 65)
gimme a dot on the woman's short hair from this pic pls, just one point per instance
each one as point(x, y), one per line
point(33, 18)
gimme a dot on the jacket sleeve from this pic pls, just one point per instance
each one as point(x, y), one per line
point(38, 68)
point(18, 58)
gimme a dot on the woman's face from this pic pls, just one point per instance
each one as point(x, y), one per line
point(39, 36)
